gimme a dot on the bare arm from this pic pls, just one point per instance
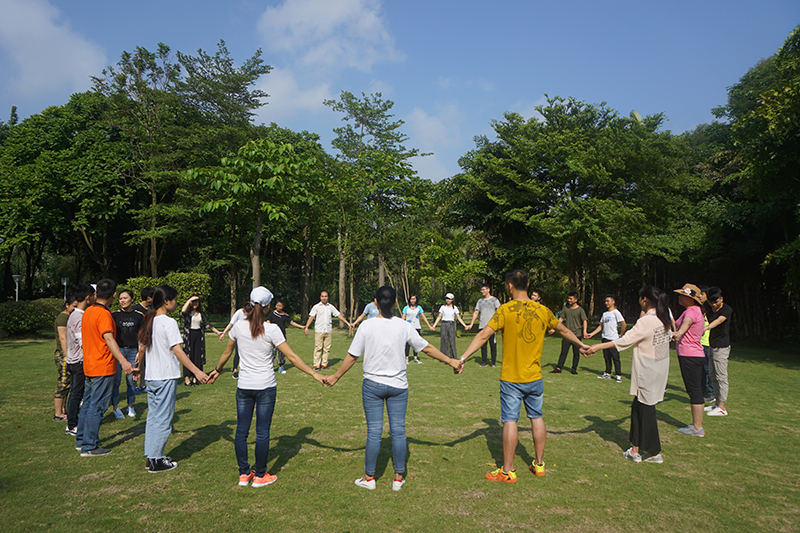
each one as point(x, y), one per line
point(62, 338)
point(286, 350)
point(624, 327)
point(434, 352)
point(344, 321)
point(308, 323)
point(458, 316)
point(477, 341)
point(224, 331)
point(685, 325)
point(423, 317)
point(187, 304)
point(361, 317)
point(201, 376)
point(436, 322)
point(593, 333)
point(585, 325)
point(295, 324)
point(346, 365)
point(717, 321)
point(475, 314)
point(567, 334)
point(222, 360)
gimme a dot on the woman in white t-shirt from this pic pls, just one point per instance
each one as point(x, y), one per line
point(448, 314)
point(257, 341)
point(381, 341)
point(411, 314)
point(160, 346)
point(649, 338)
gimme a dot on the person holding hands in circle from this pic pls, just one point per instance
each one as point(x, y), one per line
point(382, 341)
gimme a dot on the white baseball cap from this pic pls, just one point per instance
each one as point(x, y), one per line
point(261, 295)
point(450, 296)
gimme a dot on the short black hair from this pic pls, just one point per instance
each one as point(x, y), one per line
point(106, 288)
point(148, 293)
point(82, 291)
point(572, 293)
point(610, 296)
point(714, 294)
point(486, 285)
point(537, 291)
point(518, 279)
point(70, 298)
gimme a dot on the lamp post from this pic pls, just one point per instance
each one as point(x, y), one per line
point(65, 282)
point(17, 279)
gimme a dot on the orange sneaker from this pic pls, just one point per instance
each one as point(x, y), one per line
point(264, 480)
point(499, 475)
point(537, 469)
point(245, 479)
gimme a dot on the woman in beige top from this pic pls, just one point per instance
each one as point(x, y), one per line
point(650, 338)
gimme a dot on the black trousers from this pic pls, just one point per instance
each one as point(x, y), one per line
point(612, 354)
point(78, 385)
point(644, 428)
point(491, 343)
point(576, 354)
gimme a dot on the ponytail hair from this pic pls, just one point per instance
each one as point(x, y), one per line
point(255, 315)
point(160, 297)
point(657, 299)
point(386, 297)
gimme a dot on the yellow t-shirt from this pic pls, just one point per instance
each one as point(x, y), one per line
point(524, 324)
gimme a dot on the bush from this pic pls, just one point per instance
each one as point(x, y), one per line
point(26, 318)
point(186, 283)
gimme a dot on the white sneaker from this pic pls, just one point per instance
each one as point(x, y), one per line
point(708, 408)
point(717, 411)
point(655, 459)
point(619, 379)
point(370, 485)
point(397, 485)
point(131, 412)
point(635, 457)
point(118, 414)
point(604, 376)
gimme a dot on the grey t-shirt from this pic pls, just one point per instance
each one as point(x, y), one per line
point(486, 308)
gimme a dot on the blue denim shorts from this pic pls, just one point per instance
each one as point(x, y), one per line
point(513, 394)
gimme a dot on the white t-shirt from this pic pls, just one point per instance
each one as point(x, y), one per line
point(160, 362)
point(74, 339)
point(382, 342)
point(237, 316)
point(325, 314)
point(448, 313)
point(610, 320)
point(412, 315)
point(256, 356)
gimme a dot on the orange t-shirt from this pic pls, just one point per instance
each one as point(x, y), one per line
point(97, 358)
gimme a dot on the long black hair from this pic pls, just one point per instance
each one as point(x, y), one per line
point(386, 297)
point(255, 315)
point(657, 299)
point(162, 294)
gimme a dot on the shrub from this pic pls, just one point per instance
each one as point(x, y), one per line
point(26, 318)
point(187, 284)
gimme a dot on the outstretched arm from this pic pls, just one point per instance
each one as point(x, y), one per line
point(477, 341)
point(286, 350)
point(593, 333)
point(222, 360)
point(201, 376)
point(346, 365)
point(423, 317)
point(571, 337)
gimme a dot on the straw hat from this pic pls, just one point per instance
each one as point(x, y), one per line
point(692, 291)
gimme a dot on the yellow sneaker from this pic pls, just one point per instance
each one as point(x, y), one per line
point(537, 469)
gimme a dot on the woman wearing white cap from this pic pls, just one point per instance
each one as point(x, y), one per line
point(448, 313)
point(257, 341)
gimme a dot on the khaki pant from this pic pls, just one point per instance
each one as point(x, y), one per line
point(718, 372)
point(322, 347)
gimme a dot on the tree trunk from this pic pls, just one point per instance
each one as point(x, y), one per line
point(153, 246)
point(340, 244)
point(232, 283)
point(255, 250)
point(308, 257)
point(352, 294)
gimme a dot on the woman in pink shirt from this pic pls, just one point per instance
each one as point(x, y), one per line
point(690, 329)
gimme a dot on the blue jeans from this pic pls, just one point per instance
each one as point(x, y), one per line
point(374, 395)
point(160, 409)
point(512, 395)
point(130, 355)
point(97, 392)
point(263, 402)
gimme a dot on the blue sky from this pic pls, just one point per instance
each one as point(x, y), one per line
point(450, 67)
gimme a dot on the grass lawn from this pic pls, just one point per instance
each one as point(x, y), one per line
point(743, 476)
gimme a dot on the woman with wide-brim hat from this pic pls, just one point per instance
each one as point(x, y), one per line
point(690, 329)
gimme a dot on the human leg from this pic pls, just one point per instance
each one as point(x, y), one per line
point(77, 380)
point(130, 356)
point(245, 404)
point(644, 428)
point(326, 347)
point(576, 357)
point(265, 407)
point(493, 347)
point(691, 371)
point(532, 396)
point(160, 410)
point(562, 357)
point(449, 339)
point(539, 431)
point(115, 387)
point(511, 396)
point(98, 393)
point(62, 386)
point(607, 359)
point(720, 365)
point(372, 397)
point(510, 441)
point(396, 405)
point(318, 339)
point(617, 363)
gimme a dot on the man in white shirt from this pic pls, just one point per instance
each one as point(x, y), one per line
point(84, 294)
point(324, 313)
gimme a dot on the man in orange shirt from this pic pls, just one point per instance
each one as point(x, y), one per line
point(523, 322)
point(100, 356)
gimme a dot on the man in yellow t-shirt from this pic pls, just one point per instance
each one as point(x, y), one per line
point(524, 324)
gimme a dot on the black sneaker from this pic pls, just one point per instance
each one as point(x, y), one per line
point(574, 372)
point(96, 452)
point(556, 371)
point(161, 465)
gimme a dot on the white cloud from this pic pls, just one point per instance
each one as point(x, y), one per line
point(528, 109)
point(431, 131)
point(325, 33)
point(287, 96)
point(431, 167)
point(46, 55)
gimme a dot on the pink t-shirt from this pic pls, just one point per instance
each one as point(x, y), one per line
point(689, 345)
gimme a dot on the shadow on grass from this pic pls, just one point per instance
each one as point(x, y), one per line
point(286, 447)
point(493, 433)
point(201, 438)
